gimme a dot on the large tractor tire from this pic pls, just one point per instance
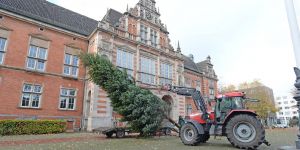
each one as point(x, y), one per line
point(189, 135)
point(245, 132)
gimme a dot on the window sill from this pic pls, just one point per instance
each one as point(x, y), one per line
point(140, 83)
point(20, 107)
point(67, 109)
point(35, 71)
point(70, 77)
point(160, 77)
point(141, 72)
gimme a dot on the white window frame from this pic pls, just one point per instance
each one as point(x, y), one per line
point(125, 60)
point(187, 82)
point(198, 85)
point(148, 70)
point(3, 51)
point(211, 83)
point(36, 58)
point(68, 96)
point(189, 109)
point(166, 74)
point(211, 93)
point(153, 36)
point(144, 33)
point(31, 93)
point(71, 66)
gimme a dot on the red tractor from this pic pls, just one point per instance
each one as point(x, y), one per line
point(230, 118)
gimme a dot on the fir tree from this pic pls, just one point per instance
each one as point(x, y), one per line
point(143, 110)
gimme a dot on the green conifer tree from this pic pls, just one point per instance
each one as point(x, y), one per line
point(143, 110)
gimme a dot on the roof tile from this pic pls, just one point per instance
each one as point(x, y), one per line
point(44, 11)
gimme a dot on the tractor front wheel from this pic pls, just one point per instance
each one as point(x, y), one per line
point(189, 135)
point(245, 131)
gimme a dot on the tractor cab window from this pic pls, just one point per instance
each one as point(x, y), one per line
point(226, 104)
point(237, 103)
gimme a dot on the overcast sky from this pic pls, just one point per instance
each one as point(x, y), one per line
point(246, 39)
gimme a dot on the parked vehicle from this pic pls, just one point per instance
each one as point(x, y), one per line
point(120, 130)
point(282, 125)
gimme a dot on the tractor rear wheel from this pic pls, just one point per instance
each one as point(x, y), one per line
point(189, 134)
point(245, 131)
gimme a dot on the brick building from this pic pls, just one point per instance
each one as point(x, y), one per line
point(138, 41)
point(40, 73)
point(202, 77)
point(39, 47)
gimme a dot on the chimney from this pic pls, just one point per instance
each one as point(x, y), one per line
point(191, 56)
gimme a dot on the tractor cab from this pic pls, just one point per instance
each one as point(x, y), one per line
point(227, 102)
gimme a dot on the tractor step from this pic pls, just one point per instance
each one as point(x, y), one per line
point(216, 130)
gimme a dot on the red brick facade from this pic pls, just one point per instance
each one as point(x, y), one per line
point(14, 73)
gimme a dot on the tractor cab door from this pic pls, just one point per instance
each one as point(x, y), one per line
point(223, 107)
point(217, 110)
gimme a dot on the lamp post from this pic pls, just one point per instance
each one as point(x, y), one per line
point(295, 35)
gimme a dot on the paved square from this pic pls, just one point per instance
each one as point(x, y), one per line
point(82, 141)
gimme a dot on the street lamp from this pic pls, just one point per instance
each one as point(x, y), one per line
point(297, 98)
point(295, 34)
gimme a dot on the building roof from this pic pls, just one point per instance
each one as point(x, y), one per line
point(202, 65)
point(190, 64)
point(112, 16)
point(207, 67)
point(46, 12)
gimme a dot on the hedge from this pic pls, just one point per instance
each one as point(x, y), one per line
point(18, 127)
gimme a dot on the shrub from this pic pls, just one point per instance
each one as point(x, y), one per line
point(18, 127)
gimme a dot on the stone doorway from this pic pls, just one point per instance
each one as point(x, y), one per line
point(169, 100)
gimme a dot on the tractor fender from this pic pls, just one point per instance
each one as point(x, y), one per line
point(238, 112)
point(198, 126)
